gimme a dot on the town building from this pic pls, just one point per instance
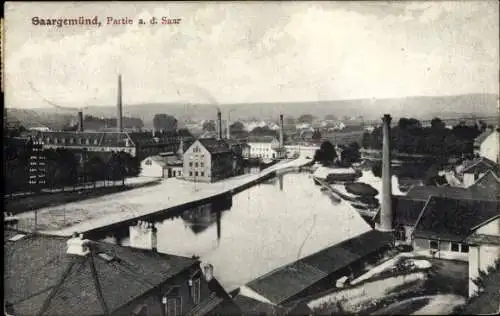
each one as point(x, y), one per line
point(264, 147)
point(208, 160)
point(487, 144)
point(162, 166)
point(298, 150)
point(137, 144)
point(472, 170)
point(48, 275)
point(317, 272)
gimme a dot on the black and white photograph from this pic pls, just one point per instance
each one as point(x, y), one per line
point(251, 158)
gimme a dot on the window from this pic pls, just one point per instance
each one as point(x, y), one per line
point(455, 247)
point(201, 164)
point(433, 244)
point(465, 248)
point(400, 234)
point(196, 173)
point(190, 163)
point(141, 310)
point(148, 162)
point(190, 173)
point(202, 174)
point(196, 164)
point(173, 307)
point(195, 291)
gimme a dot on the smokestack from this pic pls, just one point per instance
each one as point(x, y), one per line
point(228, 133)
point(386, 208)
point(80, 121)
point(281, 132)
point(119, 117)
point(219, 125)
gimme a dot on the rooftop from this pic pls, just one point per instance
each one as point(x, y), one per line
point(282, 284)
point(41, 278)
point(480, 165)
point(454, 219)
point(215, 146)
point(405, 210)
point(471, 193)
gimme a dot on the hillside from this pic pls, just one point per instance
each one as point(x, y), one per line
point(419, 107)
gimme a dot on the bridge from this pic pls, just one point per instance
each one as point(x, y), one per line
point(171, 196)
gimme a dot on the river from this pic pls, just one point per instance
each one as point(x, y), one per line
point(267, 226)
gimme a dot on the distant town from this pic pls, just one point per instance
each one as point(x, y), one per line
point(410, 207)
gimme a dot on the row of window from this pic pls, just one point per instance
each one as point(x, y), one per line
point(202, 174)
point(196, 164)
point(80, 141)
point(455, 247)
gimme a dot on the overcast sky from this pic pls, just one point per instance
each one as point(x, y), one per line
point(233, 52)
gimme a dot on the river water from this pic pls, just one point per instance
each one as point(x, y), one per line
point(267, 226)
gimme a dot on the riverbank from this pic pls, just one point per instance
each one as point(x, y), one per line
point(20, 204)
point(124, 207)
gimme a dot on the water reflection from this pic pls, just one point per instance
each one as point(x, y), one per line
point(267, 226)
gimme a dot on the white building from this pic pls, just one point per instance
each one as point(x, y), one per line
point(484, 249)
point(264, 147)
point(300, 150)
point(161, 166)
point(487, 145)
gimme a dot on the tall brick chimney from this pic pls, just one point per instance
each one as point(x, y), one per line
point(281, 135)
point(219, 124)
point(80, 121)
point(386, 208)
point(119, 116)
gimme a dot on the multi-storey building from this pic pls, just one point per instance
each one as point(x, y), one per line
point(208, 160)
point(137, 144)
point(37, 166)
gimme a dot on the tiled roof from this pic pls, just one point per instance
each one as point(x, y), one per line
point(480, 165)
point(285, 282)
point(489, 181)
point(35, 268)
point(424, 192)
point(453, 219)
point(483, 239)
point(205, 307)
point(215, 146)
point(250, 306)
point(405, 211)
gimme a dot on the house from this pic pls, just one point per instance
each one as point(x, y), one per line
point(445, 224)
point(317, 272)
point(487, 144)
point(484, 249)
point(48, 275)
point(473, 170)
point(162, 166)
point(488, 182)
point(208, 160)
point(265, 147)
point(405, 215)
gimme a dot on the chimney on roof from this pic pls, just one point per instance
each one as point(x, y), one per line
point(80, 121)
point(386, 207)
point(78, 246)
point(208, 272)
point(219, 125)
point(119, 116)
point(281, 134)
point(143, 236)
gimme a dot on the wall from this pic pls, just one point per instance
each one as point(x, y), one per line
point(421, 244)
point(202, 159)
point(492, 228)
point(153, 170)
point(177, 171)
point(480, 258)
point(262, 150)
point(469, 179)
point(490, 147)
point(222, 166)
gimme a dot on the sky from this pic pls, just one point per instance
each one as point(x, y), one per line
point(235, 52)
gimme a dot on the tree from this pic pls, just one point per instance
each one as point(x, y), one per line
point(237, 128)
point(66, 170)
point(165, 122)
point(263, 131)
point(95, 168)
point(350, 154)
point(209, 126)
point(326, 154)
point(115, 169)
point(305, 118)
